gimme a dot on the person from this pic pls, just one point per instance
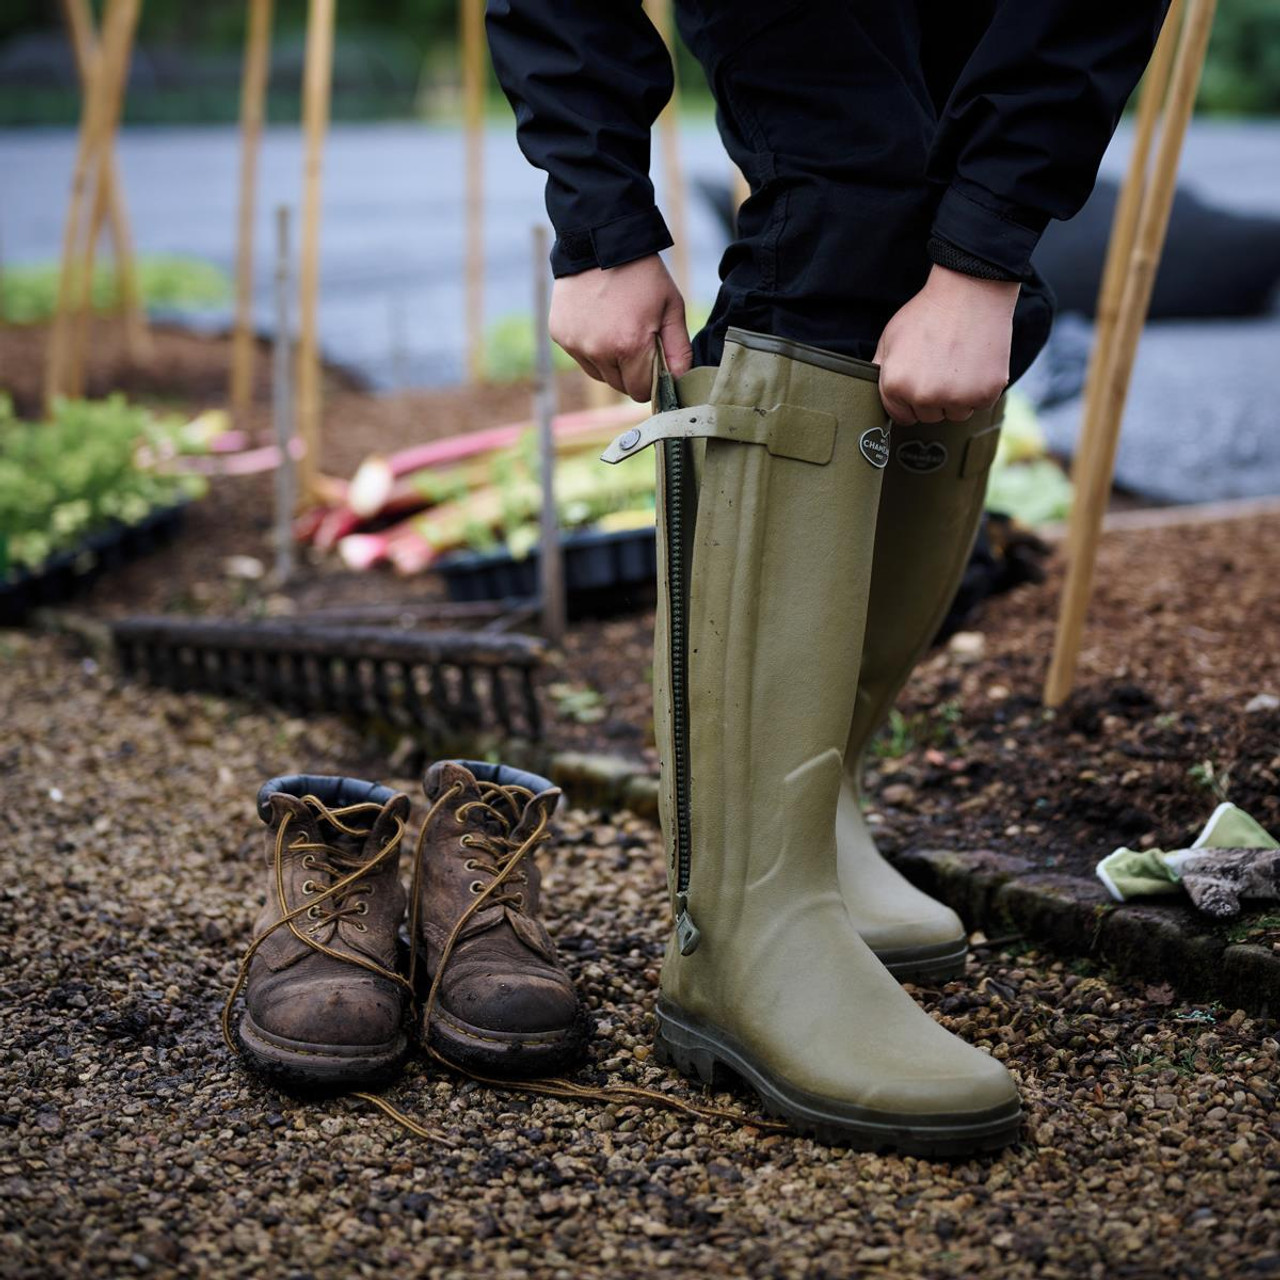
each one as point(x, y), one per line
point(823, 444)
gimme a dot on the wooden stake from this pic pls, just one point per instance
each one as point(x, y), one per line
point(471, 23)
point(1095, 487)
point(84, 45)
point(113, 63)
point(1124, 228)
point(253, 93)
point(315, 120)
point(282, 405)
point(551, 558)
point(96, 123)
point(669, 129)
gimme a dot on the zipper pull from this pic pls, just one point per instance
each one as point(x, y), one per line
point(688, 935)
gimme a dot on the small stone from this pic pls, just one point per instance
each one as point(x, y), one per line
point(967, 646)
point(244, 568)
point(1262, 702)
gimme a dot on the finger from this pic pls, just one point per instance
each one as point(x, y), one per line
point(899, 410)
point(928, 413)
point(611, 372)
point(676, 347)
point(959, 413)
point(589, 368)
point(637, 373)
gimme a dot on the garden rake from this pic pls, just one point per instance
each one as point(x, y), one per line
point(442, 685)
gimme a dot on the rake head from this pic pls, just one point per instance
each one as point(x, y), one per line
point(440, 684)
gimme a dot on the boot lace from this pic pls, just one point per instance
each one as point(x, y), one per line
point(345, 896)
point(505, 806)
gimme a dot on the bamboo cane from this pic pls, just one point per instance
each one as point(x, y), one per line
point(84, 45)
point(669, 130)
point(315, 113)
point(113, 61)
point(1124, 228)
point(551, 558)
point(282, 406)
point(119, 23)
point(1153, 223)
point(253, 92)
point(471, 22)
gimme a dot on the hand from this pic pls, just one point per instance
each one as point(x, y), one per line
point(607, 320)
point(946, 353)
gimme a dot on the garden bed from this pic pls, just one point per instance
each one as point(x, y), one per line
point(1179, 644)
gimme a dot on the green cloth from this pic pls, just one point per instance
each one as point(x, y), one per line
point(1132, 873)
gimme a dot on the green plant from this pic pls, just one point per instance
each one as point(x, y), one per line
point(1212, 778)
point(904, 734)
point(65, 479)
point(579, 703)
point(28, 292)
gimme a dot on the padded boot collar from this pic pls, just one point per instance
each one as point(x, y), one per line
point(333, 791)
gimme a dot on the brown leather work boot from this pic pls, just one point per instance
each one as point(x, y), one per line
point(503, 1003)
point(325, 1002)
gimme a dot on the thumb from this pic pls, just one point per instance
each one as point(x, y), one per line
point(674, 336)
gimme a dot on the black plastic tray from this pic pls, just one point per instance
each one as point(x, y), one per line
point(604, 573)
point(68, 572)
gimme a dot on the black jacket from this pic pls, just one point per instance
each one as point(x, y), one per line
point(1025, 94)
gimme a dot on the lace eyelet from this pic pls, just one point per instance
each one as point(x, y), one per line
point(471, 865)
point(467, 842)
point(363, 928)
point(308, 861)
point(308, 886)
point(519, 899)
point(313, 913)
point(362, 909)
point(476, 886)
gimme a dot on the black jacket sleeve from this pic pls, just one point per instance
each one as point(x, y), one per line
point(587, 79)
point(1026, 126)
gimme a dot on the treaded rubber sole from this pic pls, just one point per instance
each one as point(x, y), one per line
point(707, 1054)
point(935, 964)
point(507, 1053)
point(316, 1068)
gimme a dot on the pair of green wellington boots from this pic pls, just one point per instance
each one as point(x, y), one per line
point(807, 553)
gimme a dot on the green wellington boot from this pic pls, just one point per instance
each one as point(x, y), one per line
point(930, 507)
point(763, 594)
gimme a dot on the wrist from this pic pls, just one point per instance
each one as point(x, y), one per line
point(957, 285)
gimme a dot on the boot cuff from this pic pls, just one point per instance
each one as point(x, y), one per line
point(334, 792)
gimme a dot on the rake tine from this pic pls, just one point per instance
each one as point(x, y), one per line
point(498, 698)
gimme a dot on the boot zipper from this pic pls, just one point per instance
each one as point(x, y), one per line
point(678, 480)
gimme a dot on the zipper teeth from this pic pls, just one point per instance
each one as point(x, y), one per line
point(675, 458)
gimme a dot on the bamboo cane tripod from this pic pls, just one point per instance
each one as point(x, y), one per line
point(1138, 234)
point(106, 72)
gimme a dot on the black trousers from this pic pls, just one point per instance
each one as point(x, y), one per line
point(831, 115)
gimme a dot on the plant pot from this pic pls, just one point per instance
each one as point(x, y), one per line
point(604, 573)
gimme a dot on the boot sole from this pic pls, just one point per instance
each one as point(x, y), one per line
point(936, 963)
point(319, 1068)
point(707, 1054)
point(506, 1053)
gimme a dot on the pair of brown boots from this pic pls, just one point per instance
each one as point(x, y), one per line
point(328, 986)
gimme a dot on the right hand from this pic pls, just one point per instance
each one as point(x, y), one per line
point(607, 320)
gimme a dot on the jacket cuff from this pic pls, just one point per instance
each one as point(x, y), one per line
point(970, 220)
point(944, 254)
point(612, 244)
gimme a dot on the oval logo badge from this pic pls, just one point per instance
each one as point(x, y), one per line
point(875, 447)
point(922, 456)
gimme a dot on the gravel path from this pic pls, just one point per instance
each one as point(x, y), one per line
point(131, 1143)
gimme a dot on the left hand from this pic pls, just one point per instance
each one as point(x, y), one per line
point(945, 355)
